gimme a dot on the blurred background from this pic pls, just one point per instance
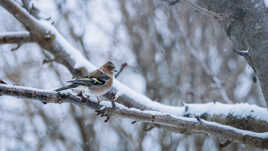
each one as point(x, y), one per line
point(175, 55)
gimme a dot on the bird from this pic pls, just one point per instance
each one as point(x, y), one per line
point(96, 83)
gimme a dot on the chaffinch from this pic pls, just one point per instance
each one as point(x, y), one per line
point(97, 83)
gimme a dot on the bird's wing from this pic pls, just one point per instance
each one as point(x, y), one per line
point(93, 79)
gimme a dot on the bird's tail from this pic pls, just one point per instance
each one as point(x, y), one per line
point(66, 87)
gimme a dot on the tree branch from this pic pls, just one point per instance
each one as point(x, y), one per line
point(174, 123)
point(15, 37)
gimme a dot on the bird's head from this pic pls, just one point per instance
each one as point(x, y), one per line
point(108, 68)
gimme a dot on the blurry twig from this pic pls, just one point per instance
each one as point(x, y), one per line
point(17, 47)
point(45, 61)
point(148, 127)
point(121, 69)
point(214, 78)
point(199, 9)
point(171, 3)
point(225, 144)
point(243, 53)
point(204, 10)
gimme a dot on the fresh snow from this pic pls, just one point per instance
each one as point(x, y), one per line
point(241, 110)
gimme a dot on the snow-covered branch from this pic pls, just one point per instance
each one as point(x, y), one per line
point(15, 37)
point(45, 96)
point(174, 123)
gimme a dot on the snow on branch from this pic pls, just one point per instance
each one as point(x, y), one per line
point(174, 123)
point(15, 37)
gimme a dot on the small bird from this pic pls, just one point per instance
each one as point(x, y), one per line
point(97, 83)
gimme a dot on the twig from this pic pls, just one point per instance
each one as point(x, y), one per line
point(225, 144)
point(45, 61)
point(204, 10)
point(171, 3)
point(15, 37)
point(17, 47)
point(121, 69)
point(214, 78)
point(243, 53)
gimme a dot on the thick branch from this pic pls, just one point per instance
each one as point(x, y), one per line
point(178, 124)
point(46, 96)
point(15, 37)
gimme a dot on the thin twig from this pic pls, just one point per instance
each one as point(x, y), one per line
point(121, 69)
point(204, 10)
point(214, 78)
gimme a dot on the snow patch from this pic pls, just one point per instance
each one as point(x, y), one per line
point(266, 3)
point(241, 110)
